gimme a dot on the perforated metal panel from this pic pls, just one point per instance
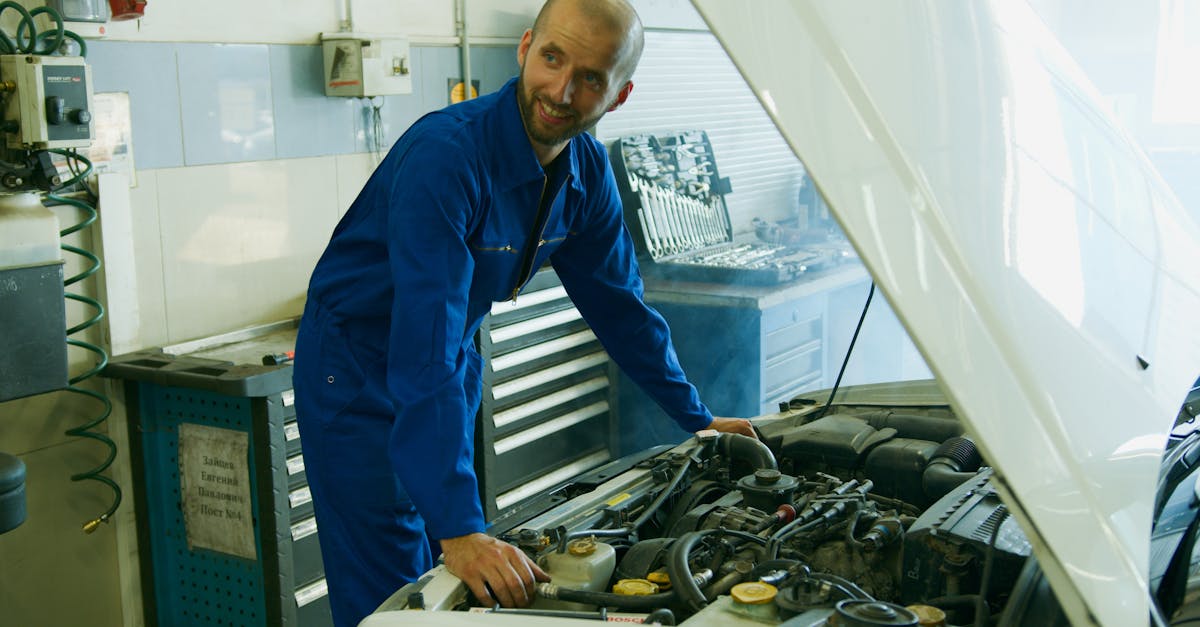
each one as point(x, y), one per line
point(195, 587)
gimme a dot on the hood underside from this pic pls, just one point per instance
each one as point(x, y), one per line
point(1036, 259)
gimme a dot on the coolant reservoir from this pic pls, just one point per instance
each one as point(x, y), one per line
point(28, 231)
point(586, 565)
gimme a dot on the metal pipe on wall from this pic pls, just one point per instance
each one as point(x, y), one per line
point(345, 15)
point(460, 23)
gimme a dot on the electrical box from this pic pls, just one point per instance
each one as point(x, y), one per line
point(47, 101)
point(362, 65)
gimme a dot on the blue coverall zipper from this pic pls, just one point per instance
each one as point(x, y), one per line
point(535, 238)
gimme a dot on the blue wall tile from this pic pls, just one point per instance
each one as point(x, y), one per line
point(196, 104)
point(438, 66)
point(492, 66)
point(147, 71)
point(225, 93)
point(307, 122)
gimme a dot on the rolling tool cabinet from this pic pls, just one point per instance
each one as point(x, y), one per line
point(224, 514)
point(549, 402)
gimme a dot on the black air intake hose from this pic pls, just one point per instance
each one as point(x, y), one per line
point(915, 426)
point(748, 449)
point(954, 462)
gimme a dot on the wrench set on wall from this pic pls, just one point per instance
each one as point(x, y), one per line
point(676, 212)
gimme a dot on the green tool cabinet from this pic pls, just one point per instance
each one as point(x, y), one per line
point(232, 423)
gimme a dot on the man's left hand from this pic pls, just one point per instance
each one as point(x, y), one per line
point(733, 425)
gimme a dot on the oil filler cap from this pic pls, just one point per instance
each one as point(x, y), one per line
point(753, 593)
point(660, 579)
point(635, 587)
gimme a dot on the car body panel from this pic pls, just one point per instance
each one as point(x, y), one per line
point(1043, 269)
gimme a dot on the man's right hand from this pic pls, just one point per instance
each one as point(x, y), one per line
point(480, 559)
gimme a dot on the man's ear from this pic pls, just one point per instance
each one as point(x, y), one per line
point(622, 96)
point(523, 47)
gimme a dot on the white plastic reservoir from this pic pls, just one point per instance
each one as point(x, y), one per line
point(28, 231)
point(586, 565)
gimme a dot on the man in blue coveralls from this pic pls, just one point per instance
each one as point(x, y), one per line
point(466, 206)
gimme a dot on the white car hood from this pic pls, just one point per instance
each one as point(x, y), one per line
point(1046, 274)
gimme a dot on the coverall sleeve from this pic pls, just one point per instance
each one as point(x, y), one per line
point(598, 267)
point(431, 206)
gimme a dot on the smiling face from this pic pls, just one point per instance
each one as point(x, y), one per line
point(574, 69)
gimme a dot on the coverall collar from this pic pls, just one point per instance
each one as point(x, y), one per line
point(521, 166)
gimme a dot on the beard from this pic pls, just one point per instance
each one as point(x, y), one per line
point(537, 130)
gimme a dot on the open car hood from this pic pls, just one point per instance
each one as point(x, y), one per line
point(1043, 269)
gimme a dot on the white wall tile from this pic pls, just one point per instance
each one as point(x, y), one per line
point(148, 260)
point(240, 241)
point(352, 174)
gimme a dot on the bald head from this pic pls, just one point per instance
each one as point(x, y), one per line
point(616, 16)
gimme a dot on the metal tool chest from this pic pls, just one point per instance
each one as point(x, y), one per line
point(549, 405)
point(216, 386)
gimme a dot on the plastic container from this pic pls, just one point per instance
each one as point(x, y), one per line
point(586, 565)
point(28, 231)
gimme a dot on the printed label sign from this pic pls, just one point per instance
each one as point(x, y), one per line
point(214, 479)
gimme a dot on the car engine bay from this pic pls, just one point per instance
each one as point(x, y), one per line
point(859, 514)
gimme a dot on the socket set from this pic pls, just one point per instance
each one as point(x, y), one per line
point(675, 209)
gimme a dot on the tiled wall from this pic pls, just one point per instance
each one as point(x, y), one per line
point(243, 168)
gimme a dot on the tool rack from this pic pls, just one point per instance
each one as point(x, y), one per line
point(674, 206)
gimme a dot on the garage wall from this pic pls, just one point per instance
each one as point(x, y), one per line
point(242, 167)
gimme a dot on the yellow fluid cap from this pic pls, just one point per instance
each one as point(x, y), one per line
point(635, 587)
point(582, 547)
point(928, 616)
point(753, 593)
point(661, 579)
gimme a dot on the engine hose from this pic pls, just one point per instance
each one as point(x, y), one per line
point(681, 574)
point(661, 616)
point(953, 463)
point(608, 599)
point(809, 519)
point(772, 565)
point(664, 495)
point(738, 446)
point(683, 583)
point(845, 585)
point(723, 585)
point(87, 430)
point(565, 538)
